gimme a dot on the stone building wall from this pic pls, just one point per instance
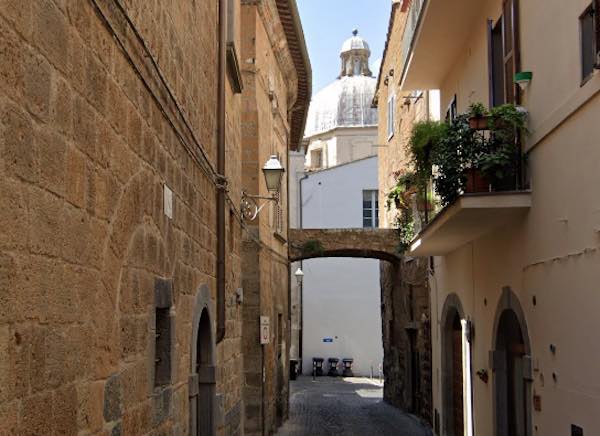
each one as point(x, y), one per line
point(270, 82)
point(405, 289)
point(90, 133)
point(409, 108)
point(407, 336)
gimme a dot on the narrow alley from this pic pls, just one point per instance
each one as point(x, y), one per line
point(348, 406)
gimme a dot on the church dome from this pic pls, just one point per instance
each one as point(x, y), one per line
point(355, 43)
point(347, 101)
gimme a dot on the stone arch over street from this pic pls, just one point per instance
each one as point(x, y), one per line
point(512, 368)
point(452, 382)
point(202, 381)
point(370, 243)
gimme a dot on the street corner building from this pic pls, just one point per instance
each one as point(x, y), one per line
point(125, 154)
point(405, 290)
point(509, 244)
point(277, 90)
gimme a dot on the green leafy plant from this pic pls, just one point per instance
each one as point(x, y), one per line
point(313, 247)
point(478, 110)
point(456, 152)
point(508, 118)
point(405, 226)
point(425, 136)
point(399, 194)
point(506, 124)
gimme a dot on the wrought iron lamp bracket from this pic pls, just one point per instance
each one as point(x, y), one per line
point(250, 206)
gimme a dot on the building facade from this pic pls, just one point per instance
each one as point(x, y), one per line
point(340, 296)
point(276, 74)
point(514, 274)
point(335, 186)
point(121, 248)
point(341, 125)
point(404, 286)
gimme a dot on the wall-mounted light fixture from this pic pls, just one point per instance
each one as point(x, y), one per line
point(299, 274)
point(273, 172)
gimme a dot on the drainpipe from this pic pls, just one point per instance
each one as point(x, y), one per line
point(222, 29)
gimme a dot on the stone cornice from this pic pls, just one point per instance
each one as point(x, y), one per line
point(295, 47)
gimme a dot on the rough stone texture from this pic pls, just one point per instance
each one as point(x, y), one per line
point(113, 399)
point(372, 243)
point(405, 289)
point(393, 155)
point(86, 145)
point(268, 97)
point(352, 406)
point(407, 336)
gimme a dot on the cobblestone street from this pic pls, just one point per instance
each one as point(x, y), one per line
point(352, 406)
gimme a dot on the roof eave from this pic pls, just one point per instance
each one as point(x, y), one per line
point(292, 26)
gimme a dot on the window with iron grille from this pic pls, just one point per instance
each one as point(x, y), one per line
point(371, 208)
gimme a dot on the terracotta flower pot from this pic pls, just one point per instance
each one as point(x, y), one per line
point(476, 182)
point(479, 123)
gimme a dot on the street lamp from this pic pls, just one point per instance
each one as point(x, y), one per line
point(273, 172)
point(299, 274)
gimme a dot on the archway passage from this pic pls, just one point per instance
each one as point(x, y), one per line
point(511, 363)
point(371, 243)
point(452, 367)
point(510, 376)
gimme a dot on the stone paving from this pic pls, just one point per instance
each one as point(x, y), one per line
point(351, 406)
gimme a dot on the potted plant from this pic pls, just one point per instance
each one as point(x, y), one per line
point(478, 117)
point(455, 158)
point(406, 185)
point(497, 163)
point(476, 181)
point(508, 119)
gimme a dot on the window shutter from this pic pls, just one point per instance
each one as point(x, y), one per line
point(511, 49)
point(597, 25)
point(490, 27)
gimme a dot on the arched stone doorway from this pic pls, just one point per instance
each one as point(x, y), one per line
point(452, 367)
point(511, 364)
point(202, 383)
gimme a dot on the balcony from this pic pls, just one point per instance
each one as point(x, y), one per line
point(434, 39)
point(470, 217)
point(477, 175)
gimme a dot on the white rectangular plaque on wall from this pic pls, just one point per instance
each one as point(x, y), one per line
point(265, 330)
point(168, 201)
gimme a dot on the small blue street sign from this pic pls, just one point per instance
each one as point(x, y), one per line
point(327, 339)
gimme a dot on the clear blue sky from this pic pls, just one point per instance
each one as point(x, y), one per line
point(328, 23)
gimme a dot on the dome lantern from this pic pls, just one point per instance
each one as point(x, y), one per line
point(355, 56)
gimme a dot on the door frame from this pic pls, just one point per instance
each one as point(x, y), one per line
point(202, 379)
point(510, 302)
point(452, 307)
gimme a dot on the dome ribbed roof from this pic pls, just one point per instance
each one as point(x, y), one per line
point(344, 103)
point(355, 43)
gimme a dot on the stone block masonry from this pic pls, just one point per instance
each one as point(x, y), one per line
point(91, 130)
